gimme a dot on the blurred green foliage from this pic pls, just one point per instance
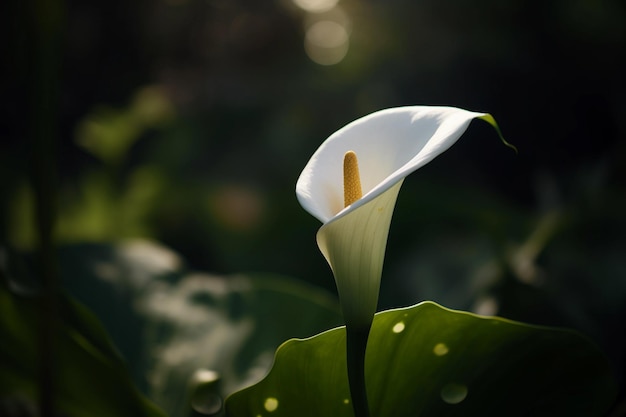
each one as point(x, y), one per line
point(173, 324)
point(183, 338)
point(93, 374)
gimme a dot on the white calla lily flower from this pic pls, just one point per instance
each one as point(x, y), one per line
point(389, 144)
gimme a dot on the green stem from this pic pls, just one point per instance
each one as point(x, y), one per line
point(44, 30)
point(356, 343)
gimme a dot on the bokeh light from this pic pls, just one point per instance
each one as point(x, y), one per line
point(316, 6)
point(326, 42)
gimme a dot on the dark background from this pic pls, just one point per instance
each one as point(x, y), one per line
point(187, 122)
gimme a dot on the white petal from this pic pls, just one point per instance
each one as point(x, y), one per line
point(390, 144)
point(354, 246)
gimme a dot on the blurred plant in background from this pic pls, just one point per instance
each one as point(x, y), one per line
point(187, 122)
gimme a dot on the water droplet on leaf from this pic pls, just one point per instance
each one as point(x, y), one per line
point(271, 404)
point(440, 349)
point(398, 327)
point(453, 393)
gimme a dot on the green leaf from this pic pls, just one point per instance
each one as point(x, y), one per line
point(430, 361)
point(90, 376)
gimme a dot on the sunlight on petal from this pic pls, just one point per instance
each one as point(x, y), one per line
point(390, 144)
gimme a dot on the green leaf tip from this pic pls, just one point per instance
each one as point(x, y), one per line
point(489, 119)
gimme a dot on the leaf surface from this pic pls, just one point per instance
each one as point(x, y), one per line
point(427, 361)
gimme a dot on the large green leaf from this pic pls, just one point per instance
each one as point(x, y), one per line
point(430, 361)
point(90, 376)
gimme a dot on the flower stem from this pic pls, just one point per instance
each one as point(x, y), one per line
point(356, 343)
point(44, 24)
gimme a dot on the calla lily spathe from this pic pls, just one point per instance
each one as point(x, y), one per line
point(389, 144)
